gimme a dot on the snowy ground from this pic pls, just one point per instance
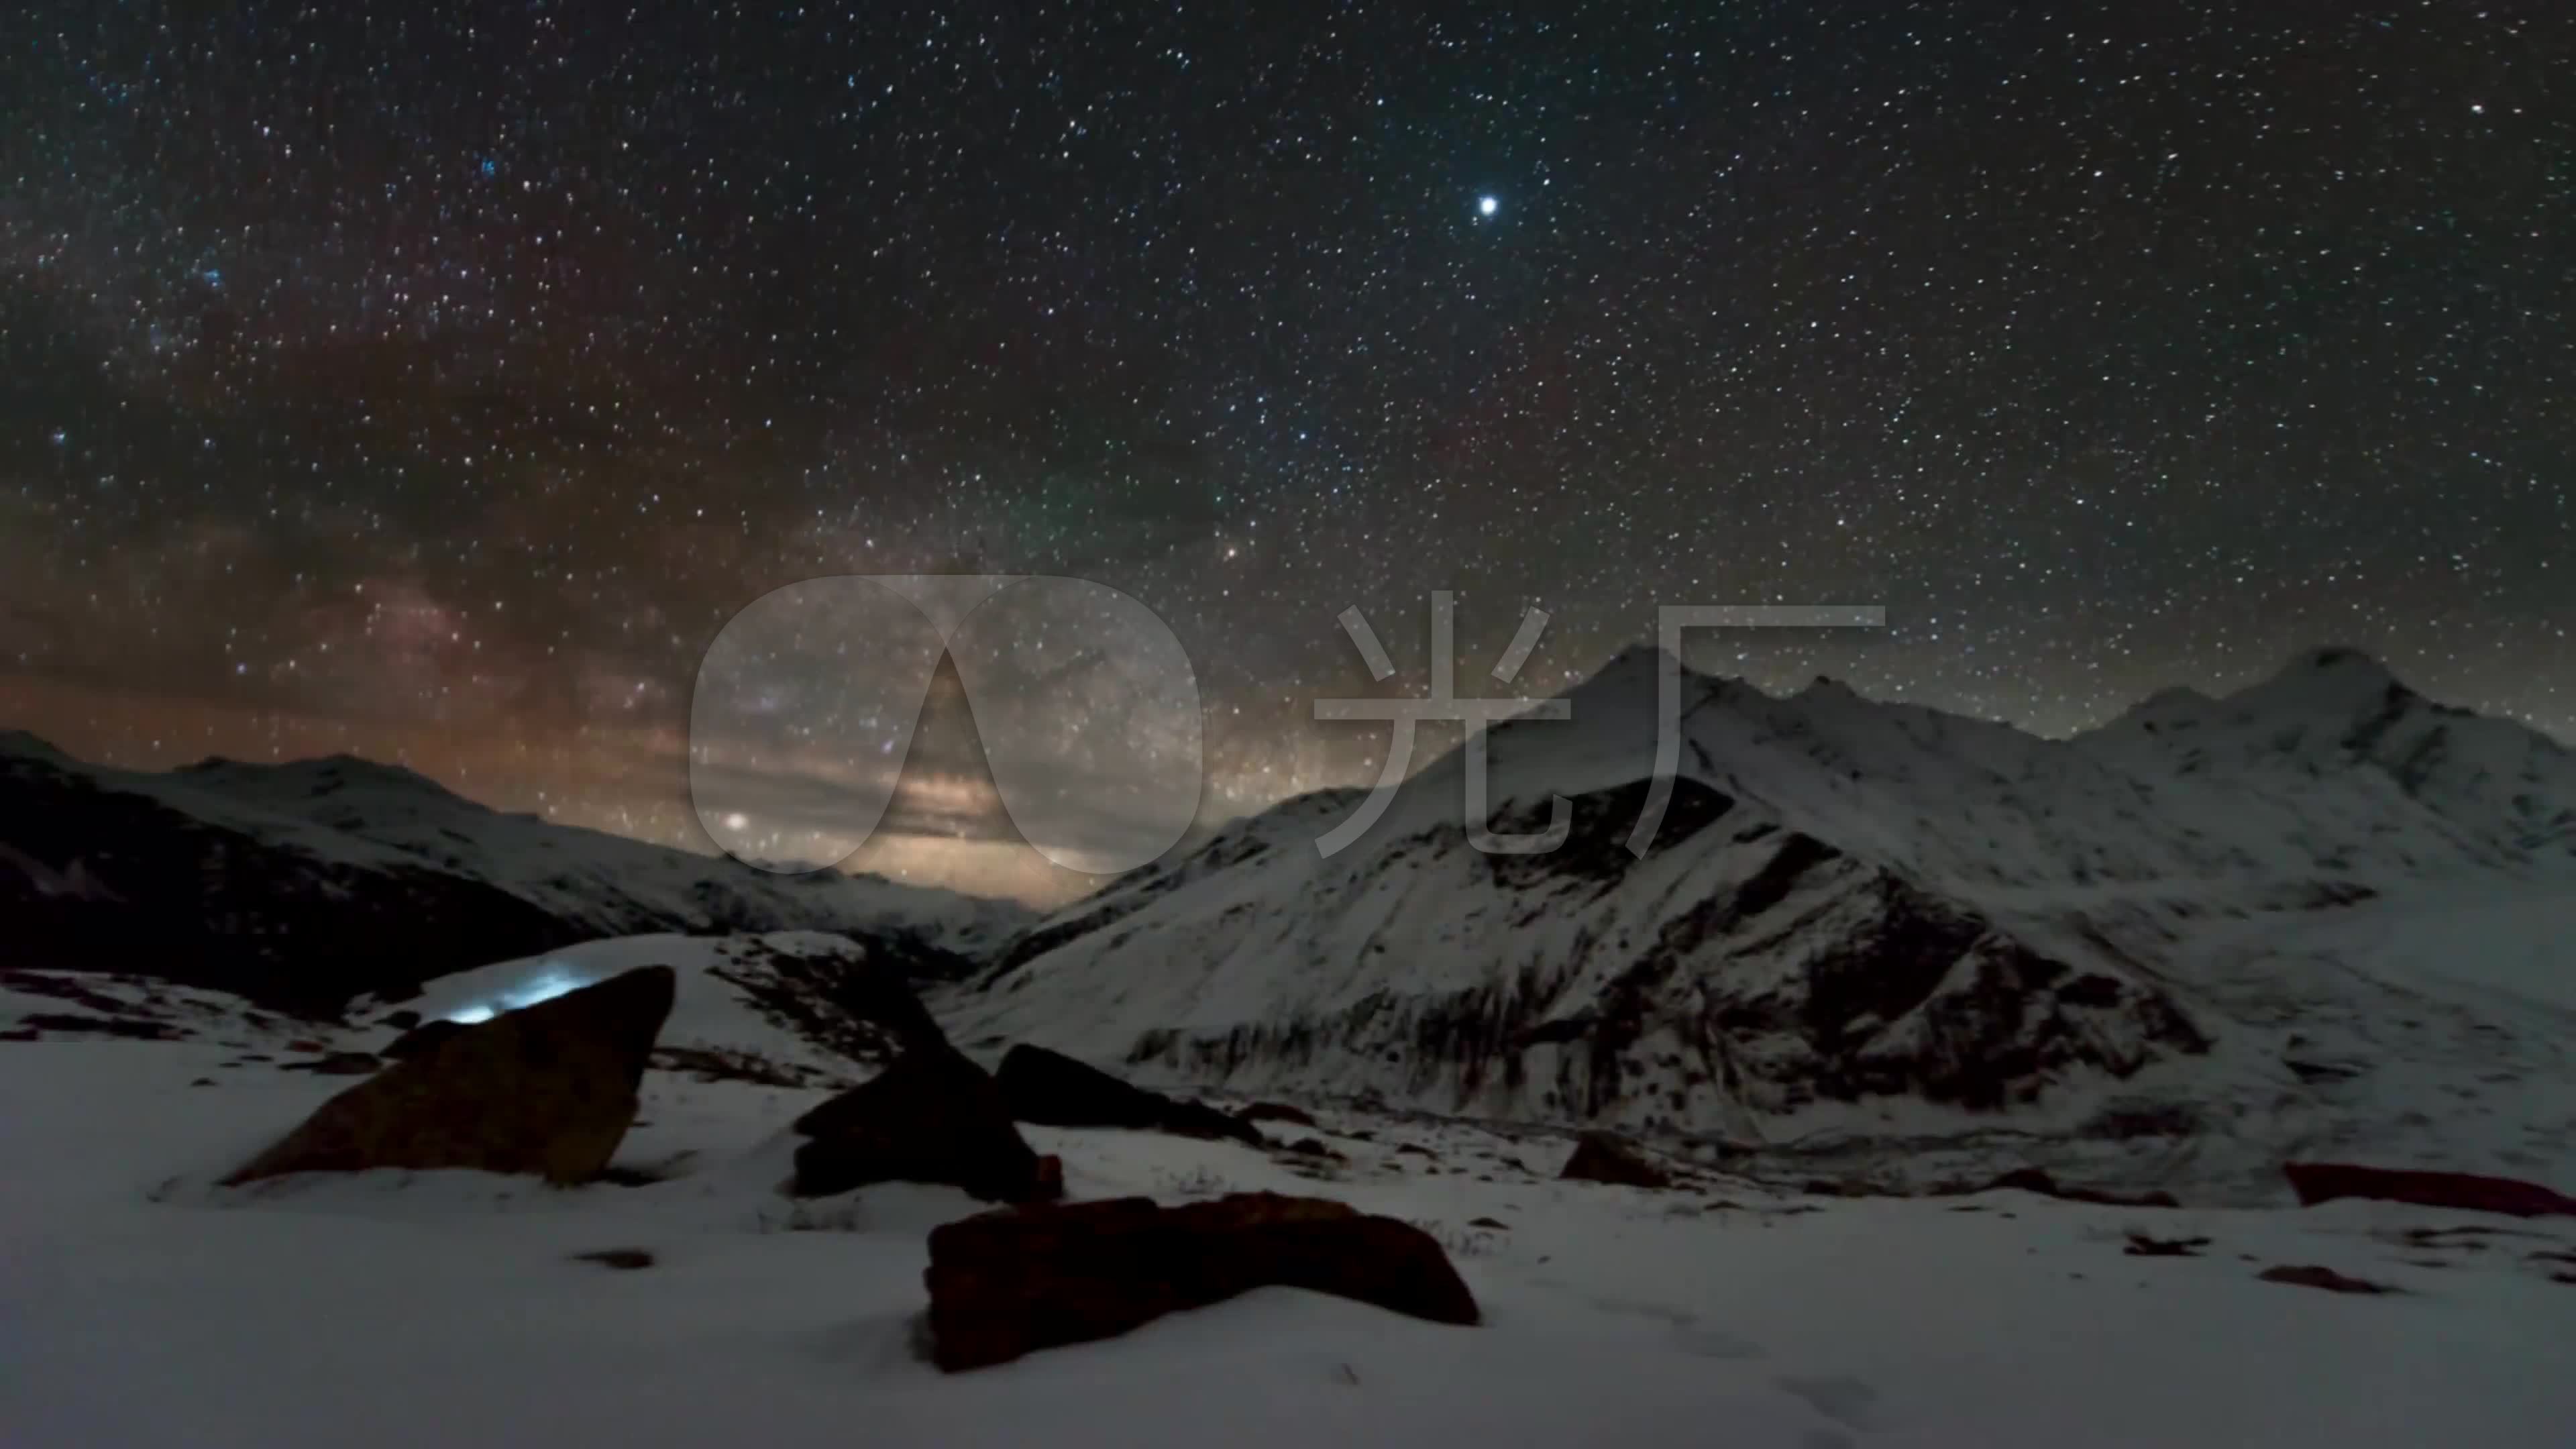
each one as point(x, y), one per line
point(140, 1307)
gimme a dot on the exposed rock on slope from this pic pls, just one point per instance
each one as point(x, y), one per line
point(1052, 1088)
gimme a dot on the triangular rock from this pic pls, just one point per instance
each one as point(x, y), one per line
point(934, 1116)
point(547, 1089)
point(1053, 1089)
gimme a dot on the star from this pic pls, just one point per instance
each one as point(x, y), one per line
point(1487, 205)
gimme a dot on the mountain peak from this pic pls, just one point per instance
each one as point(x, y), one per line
point(2341, 660)
point(23, 745)
point(2333, 679)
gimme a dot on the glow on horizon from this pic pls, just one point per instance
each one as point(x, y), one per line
point(556, 979)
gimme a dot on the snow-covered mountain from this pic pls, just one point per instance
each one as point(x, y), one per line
point(1866, 923)
point(302, 884)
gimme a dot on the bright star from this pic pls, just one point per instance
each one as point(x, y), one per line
point(1486, 205)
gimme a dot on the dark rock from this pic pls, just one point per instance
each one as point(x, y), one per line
point(421, 1038)
point(1602, 1157)
point(22, 1033)
point(2317, 1182)
point(2142, 1245)
point(403, 1020)
point(933, 1116)
point(857, 1003)
point(137, 1030)
point(2032, 1179)
point(335, 1064)
point(1311, 1147)
point(1008, 1283)
point(1054, 1089)
point(2311, 1276)
point(203, 1082)
point(627, 1258)
point(1276, 1112)
point(546, 1089)
point(1488, 1223)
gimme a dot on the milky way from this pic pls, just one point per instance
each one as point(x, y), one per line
point(435, 382)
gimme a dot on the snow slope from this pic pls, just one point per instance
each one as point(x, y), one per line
point(1866, 926)
point(143, 1308)
point(307, 882)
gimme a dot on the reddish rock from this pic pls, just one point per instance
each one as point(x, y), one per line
point(420, 1039)
point(2317, 1182)
point(1008, 1283)
point(1601, 1157)
point(548, 1089)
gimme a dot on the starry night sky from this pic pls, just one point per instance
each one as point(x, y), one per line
point(435, 381)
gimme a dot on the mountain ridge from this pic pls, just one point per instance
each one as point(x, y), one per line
point(304, 883)
point(1861, 920)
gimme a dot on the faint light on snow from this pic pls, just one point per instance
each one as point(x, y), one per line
point(737, 821)
point(556, 979)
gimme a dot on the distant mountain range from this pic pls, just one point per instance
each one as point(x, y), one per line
point(2324, 912)
point(2323, 917)
point(303, 884)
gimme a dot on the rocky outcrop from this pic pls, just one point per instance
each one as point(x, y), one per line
point(1006, 1284)
point(548, 1089)
point(2032, 1179)
point(1260, 1112)
point(2311, 1275)
point(1602, 1157)
point(2317, 1182)
point(933, 1116)
point(1052, 1088)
